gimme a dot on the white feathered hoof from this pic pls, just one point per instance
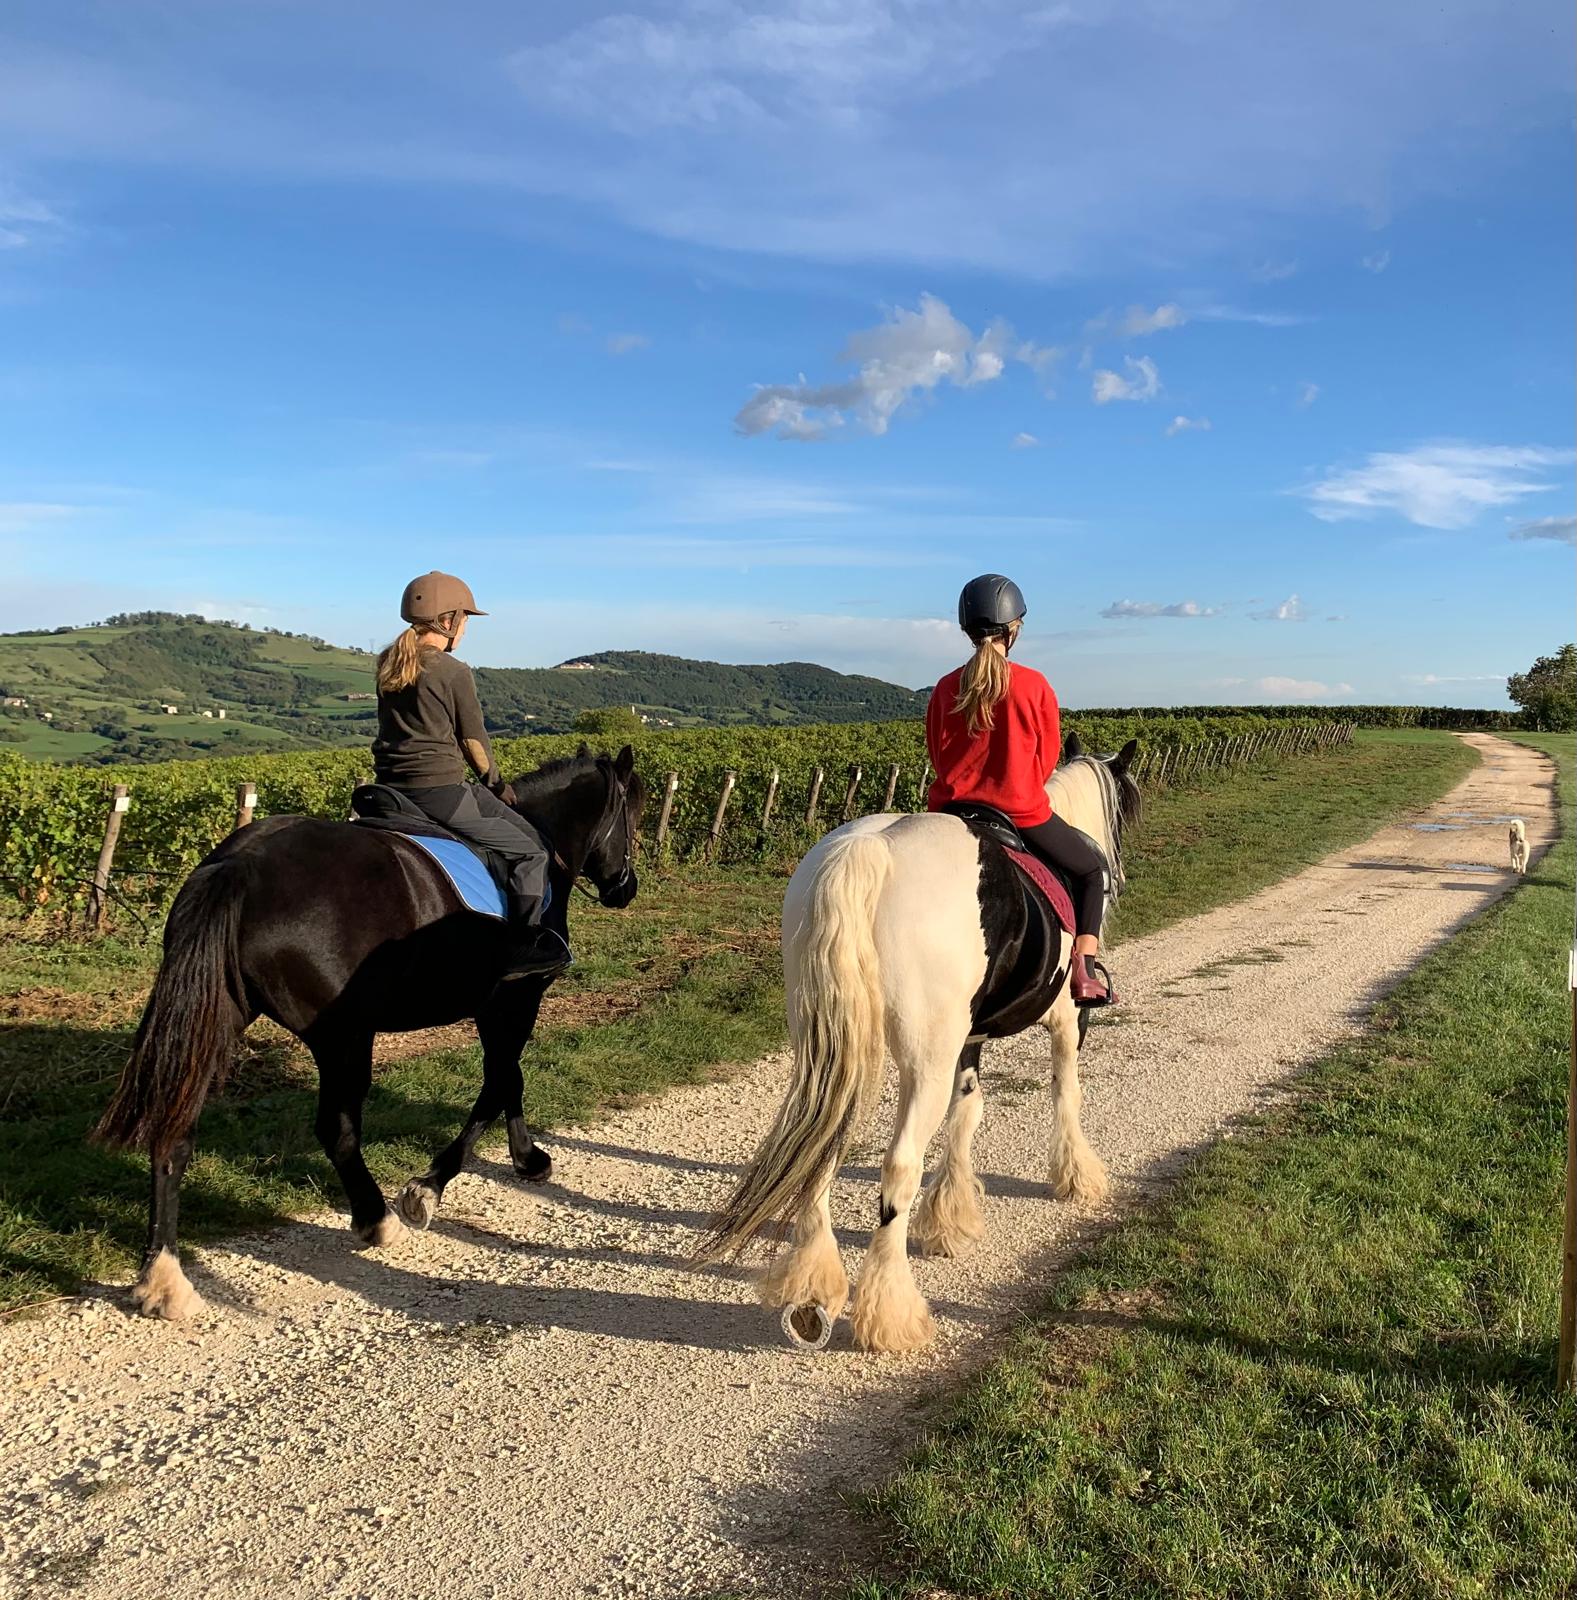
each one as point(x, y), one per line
point(418, 1203)
point(809, 1275)
point(387, 1230)
point(163, 1290)
point(950, 1218)
point(890, 1315)
point(1079, 1175)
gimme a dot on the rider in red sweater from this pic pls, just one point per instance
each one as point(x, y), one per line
point(994, 735)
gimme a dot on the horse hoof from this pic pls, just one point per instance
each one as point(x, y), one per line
point(418, 1203)
point(807, 1328)
point(385, 1231)
point(536, 1168)
point(163, 1291)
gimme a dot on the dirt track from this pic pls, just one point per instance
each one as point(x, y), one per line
point(536, 1399)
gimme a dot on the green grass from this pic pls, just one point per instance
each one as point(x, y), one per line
point(682, 983)
point(1324, 1367)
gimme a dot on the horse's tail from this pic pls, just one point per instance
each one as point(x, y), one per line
point(193, 1017)
point(838, 1027)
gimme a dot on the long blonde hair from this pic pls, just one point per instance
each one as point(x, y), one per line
point(984, 684)
point(400, 664)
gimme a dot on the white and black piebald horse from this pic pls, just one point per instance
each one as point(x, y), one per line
point(913, 935)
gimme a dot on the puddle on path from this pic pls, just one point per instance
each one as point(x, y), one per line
point(1438, 827)
point(1483, 818)
point(1470, 866)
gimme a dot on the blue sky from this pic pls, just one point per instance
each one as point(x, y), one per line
point(1241, 338)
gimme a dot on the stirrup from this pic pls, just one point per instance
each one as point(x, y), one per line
point(1097, 968)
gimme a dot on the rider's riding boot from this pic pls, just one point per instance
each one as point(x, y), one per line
point(534, 951)
point(1086, 988)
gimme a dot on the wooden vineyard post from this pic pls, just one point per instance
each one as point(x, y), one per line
point(816, 778)
point(770, 801)
point(120, 804)
point(855, 774)
point(1566, 1360)
point(665, 816)
point(892, 787)
point(729, 780)
point(245, 803)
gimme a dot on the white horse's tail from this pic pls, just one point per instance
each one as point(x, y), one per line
point(837, 1026)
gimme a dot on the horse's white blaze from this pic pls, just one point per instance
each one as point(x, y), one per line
point(164, 1291)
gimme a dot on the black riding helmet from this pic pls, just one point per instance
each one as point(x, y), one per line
point(990, 604)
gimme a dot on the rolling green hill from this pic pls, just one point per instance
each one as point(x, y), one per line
point(100, 693)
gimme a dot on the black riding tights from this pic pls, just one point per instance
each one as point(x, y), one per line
point(1070, 851)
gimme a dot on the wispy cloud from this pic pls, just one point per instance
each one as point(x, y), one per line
point(1120, 610)
point(26, 516)
point(24, 220)
point(1142, 383)
point(1024, 441)
point(1292, 609)
point(1562, 530)
point(1376, 263)
point(1270, 271)
point(1258, 319)
point(1275, 688)
point(622, 344)
point(1187, 425)
point(1444, 485)
point(1308, 393)
point(1136, 322)
point(1427, 679)
point(909, 355)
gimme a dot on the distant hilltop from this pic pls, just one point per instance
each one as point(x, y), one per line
point(157, 685)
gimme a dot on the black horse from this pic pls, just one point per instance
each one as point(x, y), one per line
point(338, 933)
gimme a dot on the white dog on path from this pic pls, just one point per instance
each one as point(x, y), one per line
point(1519, 846)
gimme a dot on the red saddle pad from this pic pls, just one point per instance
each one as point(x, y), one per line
point(1049, 884)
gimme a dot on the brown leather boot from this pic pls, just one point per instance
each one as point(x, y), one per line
point(1086, 988)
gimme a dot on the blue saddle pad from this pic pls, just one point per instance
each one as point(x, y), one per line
point(463, 868)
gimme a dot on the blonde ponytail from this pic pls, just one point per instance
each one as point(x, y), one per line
point(401, 664)
point(984, 684)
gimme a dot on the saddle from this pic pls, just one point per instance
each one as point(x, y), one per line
point(386, 810)
point(989, 823)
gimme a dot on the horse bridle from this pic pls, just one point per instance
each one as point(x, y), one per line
point(621, 796)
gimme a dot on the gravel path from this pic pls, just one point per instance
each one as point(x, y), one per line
point(536, 1398)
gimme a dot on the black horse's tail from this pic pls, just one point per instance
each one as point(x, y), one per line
point(193, 1017)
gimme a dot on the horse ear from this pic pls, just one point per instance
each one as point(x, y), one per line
point(1072, 749)
point(1124, 757)
point(624, 764)
point(584, 753)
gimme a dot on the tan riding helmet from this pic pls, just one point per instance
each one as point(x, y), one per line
point(436, 594)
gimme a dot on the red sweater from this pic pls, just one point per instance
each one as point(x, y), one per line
point(1006, 765)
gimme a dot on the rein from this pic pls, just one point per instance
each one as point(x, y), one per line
point(619, 794)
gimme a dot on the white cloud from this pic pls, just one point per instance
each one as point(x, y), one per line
point(1187, 425)
point(1273, 271)
point(1292, 609)
point(1274, 688)
point(1429, 678)
point(1136, 322)
point(1121, 609)
point(24, 220)
point(1024, 441)
point(1142, 383)
point(1563, 530)
point(1308, 393)
point(1258, 319)
point(908, 355)
point(1376, 263)
point(22, 516)
point(621, 344)
point(1434, 485)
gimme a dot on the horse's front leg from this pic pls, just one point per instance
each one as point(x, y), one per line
point(503, 1030)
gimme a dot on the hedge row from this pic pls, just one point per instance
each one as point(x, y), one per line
point(1459, 717)
point(52, 817)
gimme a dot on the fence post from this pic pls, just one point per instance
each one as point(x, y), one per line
point(892, 787)
point(770, 801)
point(120, 804)
point(855, 774)
point(245, 803)
point(729, 780)
point(670, 789)
point(815, 797)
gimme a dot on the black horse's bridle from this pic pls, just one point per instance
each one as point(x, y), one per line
point(621, 797)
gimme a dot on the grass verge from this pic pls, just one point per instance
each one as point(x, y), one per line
point(1324, 1367)
point(683, 982)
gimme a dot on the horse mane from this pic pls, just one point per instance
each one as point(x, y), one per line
point(1086, 791)
point(549, 774)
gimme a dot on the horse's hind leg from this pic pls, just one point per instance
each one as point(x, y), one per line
point(950, 1216)
point(889, 1311)
point(344, 1076)
point(163, 1290)
point(503, 1037)
point(1076, 1171)
point(811, 1272)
